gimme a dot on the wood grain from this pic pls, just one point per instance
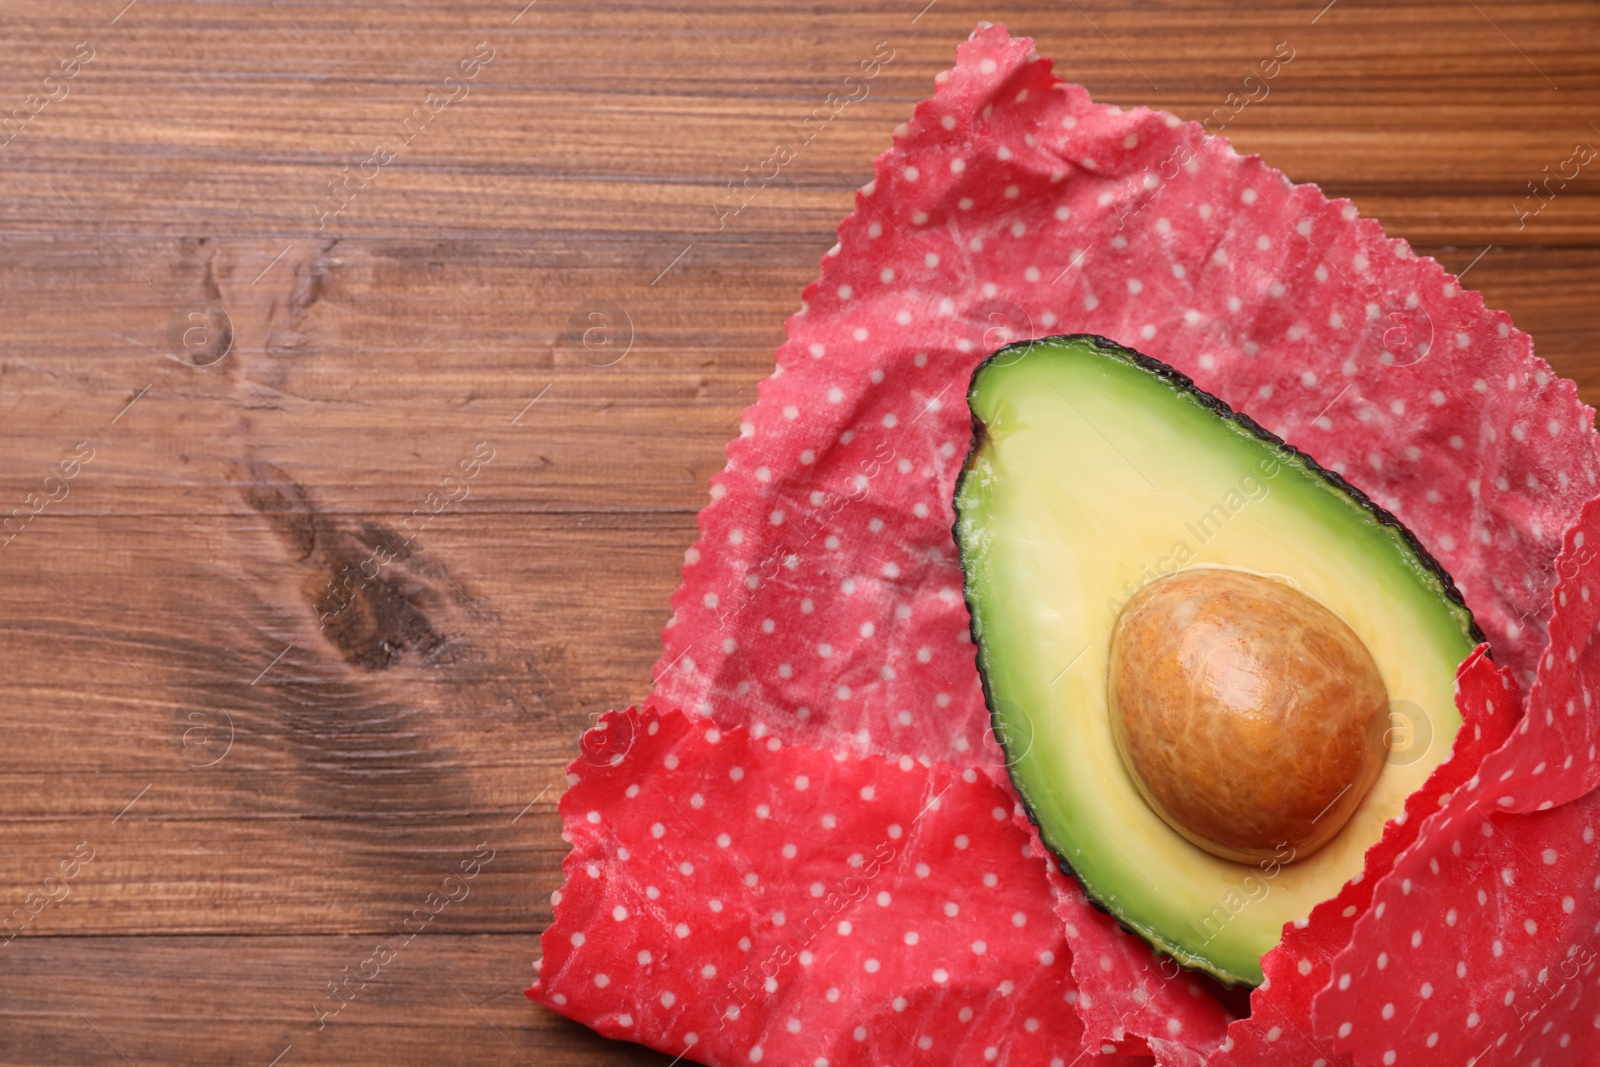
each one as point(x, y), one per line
point(272, 768)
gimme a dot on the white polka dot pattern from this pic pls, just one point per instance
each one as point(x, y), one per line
point(1488, 933)
point(1127, 990)
point(1556, 756)
point(822, 604)
point(1374, 360)
point(837, 929)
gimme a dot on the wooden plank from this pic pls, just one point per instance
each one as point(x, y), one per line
point(297, 393)
point(267, 867)
point(330, 773)
point(473, 600)
point(345, 362)
point(439, 997)
point(552, 147)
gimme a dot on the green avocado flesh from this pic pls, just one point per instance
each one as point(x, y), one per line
point(1094, 470)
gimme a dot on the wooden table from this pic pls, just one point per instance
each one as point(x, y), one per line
point(271, 765)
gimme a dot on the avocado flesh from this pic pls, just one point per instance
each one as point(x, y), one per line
point(1093, 469)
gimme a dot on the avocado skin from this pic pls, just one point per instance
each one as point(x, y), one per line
point(1223, 410)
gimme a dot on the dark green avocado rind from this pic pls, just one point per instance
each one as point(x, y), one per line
point(1429, 567)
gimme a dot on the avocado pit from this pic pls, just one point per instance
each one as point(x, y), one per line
point(1250, 717)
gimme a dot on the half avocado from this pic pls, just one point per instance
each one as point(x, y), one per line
point(1095, 475)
